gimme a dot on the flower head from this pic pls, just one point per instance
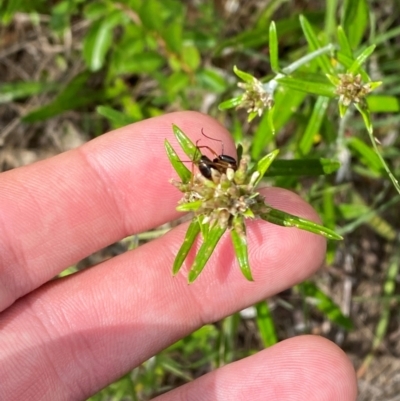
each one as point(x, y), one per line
point(255, 98)
point(221, 196)
point(228, 195)
point(351, 89)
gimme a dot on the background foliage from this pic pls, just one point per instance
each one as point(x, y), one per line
point(71, 70)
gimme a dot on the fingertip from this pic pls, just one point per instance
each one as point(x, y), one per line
point(302, 368)
point(326, 366)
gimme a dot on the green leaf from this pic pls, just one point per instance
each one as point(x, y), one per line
point(314, 44)
point(314, 125)
point(204, 227)
point(251, 116)
point(186, 144)
point(75, 95)
point(239, 240)
point(367, 155)
point(190, 206)
point(98, 40)
point(355, 20)
point(183, 172)
point(116, 117)
point(263, 164)
point(147, 62)
point(330, 18)
point(317, 88)
point(173, 36)
point(229, 104)
point(61, 15)
point(348, 62)
point(359, 61)
point(191, 234)
point(382, 104)
point(151, 15)
point(20, 90)
point(205, 251)
point(212, 80)
point(244, 76)
point(8, 9)
point(366, 117)
point(325, 304)
point(273, 48)
point(191, 57)
point(344, 43)
point(282, 218)
point(175, 83)
point(95, 10)
point(302, 168)
point(266, 325)
point(342, 109)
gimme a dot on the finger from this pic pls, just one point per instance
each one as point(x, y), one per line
point(58, 211)
point(303, 368)
point(118, 314)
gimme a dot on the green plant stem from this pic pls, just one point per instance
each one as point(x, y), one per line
point(271, 85)
point(384, 165)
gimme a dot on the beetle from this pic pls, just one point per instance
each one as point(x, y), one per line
point(221, 162)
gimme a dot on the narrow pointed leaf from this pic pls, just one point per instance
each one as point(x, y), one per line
point(359, 61)
point(244, 76)
point(191, 235)
point(302, 167)
point(314, 124)
point(263, 164)
point(344, 42)
point(186, 144)
point(282, 218)
point(314, 44)
point(19, 90)
point(183, 172)
point(342, 109)
point(266, 325)
point(252, 116)
point(229, 104)
point(239, 240)
point(383, 104)
point(273, 48)
point(355, 17)
point(325, 304)
point(335, 81)
point(366, 117)
point(114, 116)
point(204, 226)
point(348, 62)
point(205, 251)
point(189, 207)
point(365, 154)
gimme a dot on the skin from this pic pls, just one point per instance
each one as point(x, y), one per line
point(67, 338)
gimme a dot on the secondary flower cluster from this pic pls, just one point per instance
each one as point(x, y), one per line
point(351, 88)
point(255, 98)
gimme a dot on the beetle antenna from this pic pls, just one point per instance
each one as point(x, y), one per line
point(213, 139)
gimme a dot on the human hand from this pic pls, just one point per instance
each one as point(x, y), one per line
point(67, 338)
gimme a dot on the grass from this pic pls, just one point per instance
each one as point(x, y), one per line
point(134, 60)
